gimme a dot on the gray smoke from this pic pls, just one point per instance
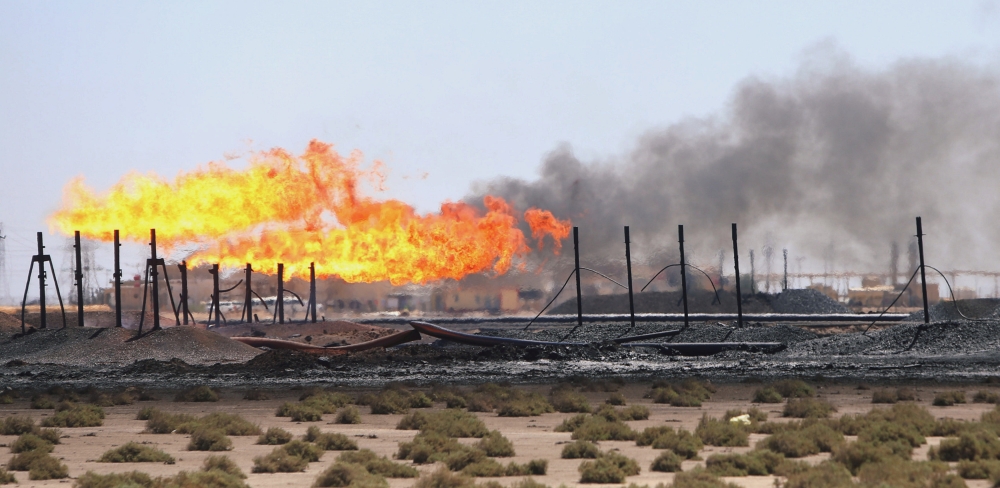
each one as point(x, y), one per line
point(836, 158)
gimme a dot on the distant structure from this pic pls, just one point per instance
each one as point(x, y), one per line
point(4, 272)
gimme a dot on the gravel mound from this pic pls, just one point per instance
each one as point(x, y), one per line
point(806, 301)
point(934, 339)
point(695, 333)
point(117, 347)
point(699, 301)
point(972, 309)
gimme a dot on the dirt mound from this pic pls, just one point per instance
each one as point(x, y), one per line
point(283, 359)
point(334, 333)
point(114, 346)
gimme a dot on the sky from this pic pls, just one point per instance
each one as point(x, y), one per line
point(444, 93)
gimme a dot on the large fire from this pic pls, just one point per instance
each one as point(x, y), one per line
point(305, 209)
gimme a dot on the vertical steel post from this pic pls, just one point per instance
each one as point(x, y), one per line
point(923, 276)
point(579, 294)
point(248, 298)
point(736, 264)
point(183, 267)
point(154, 274)
point(280, 303)
point(79, 278)
point(41, 283)
point(684, 288)
point(118, 281)
point(784, 282)
point(312, 291)
point(215, 293)
point(628, 268)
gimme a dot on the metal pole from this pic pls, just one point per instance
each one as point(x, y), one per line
point(215, 292)
point(784, 282)
point(118, 282)
point(248, 299)
point(923, 276)
point(183, 267)
point(156, 283)
point(79, 278)
point(628, 267)
point(280, 303)
point(684, 288)
point(312, 291)
point(579, 294)
point(41, 282)
point(736, 264)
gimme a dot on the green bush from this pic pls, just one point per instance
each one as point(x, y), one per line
point(429, 448)
point(207, 439)
point(615, 399)
point(949, 398)
point(753, 463)
point(228, 423)
point(789, 443)
point(881, 432)
point(75, 415)
point(379, 465)
point(158, 422)
point(983, 469)
point(325, 401)
point(767, 395)
point(39, 465)
point(580, 450)
point(133, 452)
point(715, 432)
point(275, 436)
point(202, 479)
point(824, 475)
point(971, 446)
point(131, 479)
point(566, 400)
point(901, 473)
point(17, 425)
point(305, 450)
point(256, 395)
point(699, 478)
point(601, 429)
point(279, 461)
point(667, 462)
point(49, 435)
point(443, 478)
point(224, 464)
point(610, 467)
point(335, 441)
point(348, 415)
point(682, 442)
point(451, 422)
point(803, 408)
point(523, 404)
point(200, 393)
point(854, 455)
point(30, 442)
point(494, 444)
point(347, 474)
point(794, 389)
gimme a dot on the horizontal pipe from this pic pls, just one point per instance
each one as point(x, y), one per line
point(650, 317)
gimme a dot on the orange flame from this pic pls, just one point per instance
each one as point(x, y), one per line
point(298, 210)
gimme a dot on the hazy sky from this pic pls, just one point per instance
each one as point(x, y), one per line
point(459, 91)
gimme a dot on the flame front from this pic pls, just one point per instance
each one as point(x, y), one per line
point(302, 210)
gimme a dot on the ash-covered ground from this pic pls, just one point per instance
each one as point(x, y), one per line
point(948, 349)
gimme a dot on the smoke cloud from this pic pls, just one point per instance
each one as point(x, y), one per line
point(833, 163)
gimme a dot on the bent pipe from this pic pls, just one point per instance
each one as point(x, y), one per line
point(396, 339)
point(487, 341)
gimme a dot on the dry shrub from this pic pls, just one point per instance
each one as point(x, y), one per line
point(753, 463)
point(580, 450)
point(715, 432)
point(794, 389)
point(595, 428)
point(429, 447)
point(984, 396)
point(224, 464)
point(39, 465)
point(609, 467)
point(949, 398)
point(487, 467)
point(767, 395)
point(565, 400)
point(228, 423)
point(17, 425)
point(207, 439)
point(347, 474)
point(130, 479)
point(885, 395)
point(158, 422)
point(983, 469)
point(325, 401)
point(335, 441)
point(803, 408)
point(279, 461)
point(971, 446)
point(443, 478)
point(133, 452)
point(30, 442)
point(681, 441)
point(451, 422)
point(615, 399)
point(304, 450)
point(275, 436)
point(201, 479)
point(634, 412)
point(494, 444)
point(75, 415)
point(42, 402)
point(667, 462)
point(6, 477)
point(854, 455)
point(299, 412)
point(348, 415)
point(199, 393)
point(699, 478)
point(688, 393)
point(824, 475)
point(507, 401)
point(900, 473)
point(379, 465)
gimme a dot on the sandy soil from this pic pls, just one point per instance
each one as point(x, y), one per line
point(533, 437)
